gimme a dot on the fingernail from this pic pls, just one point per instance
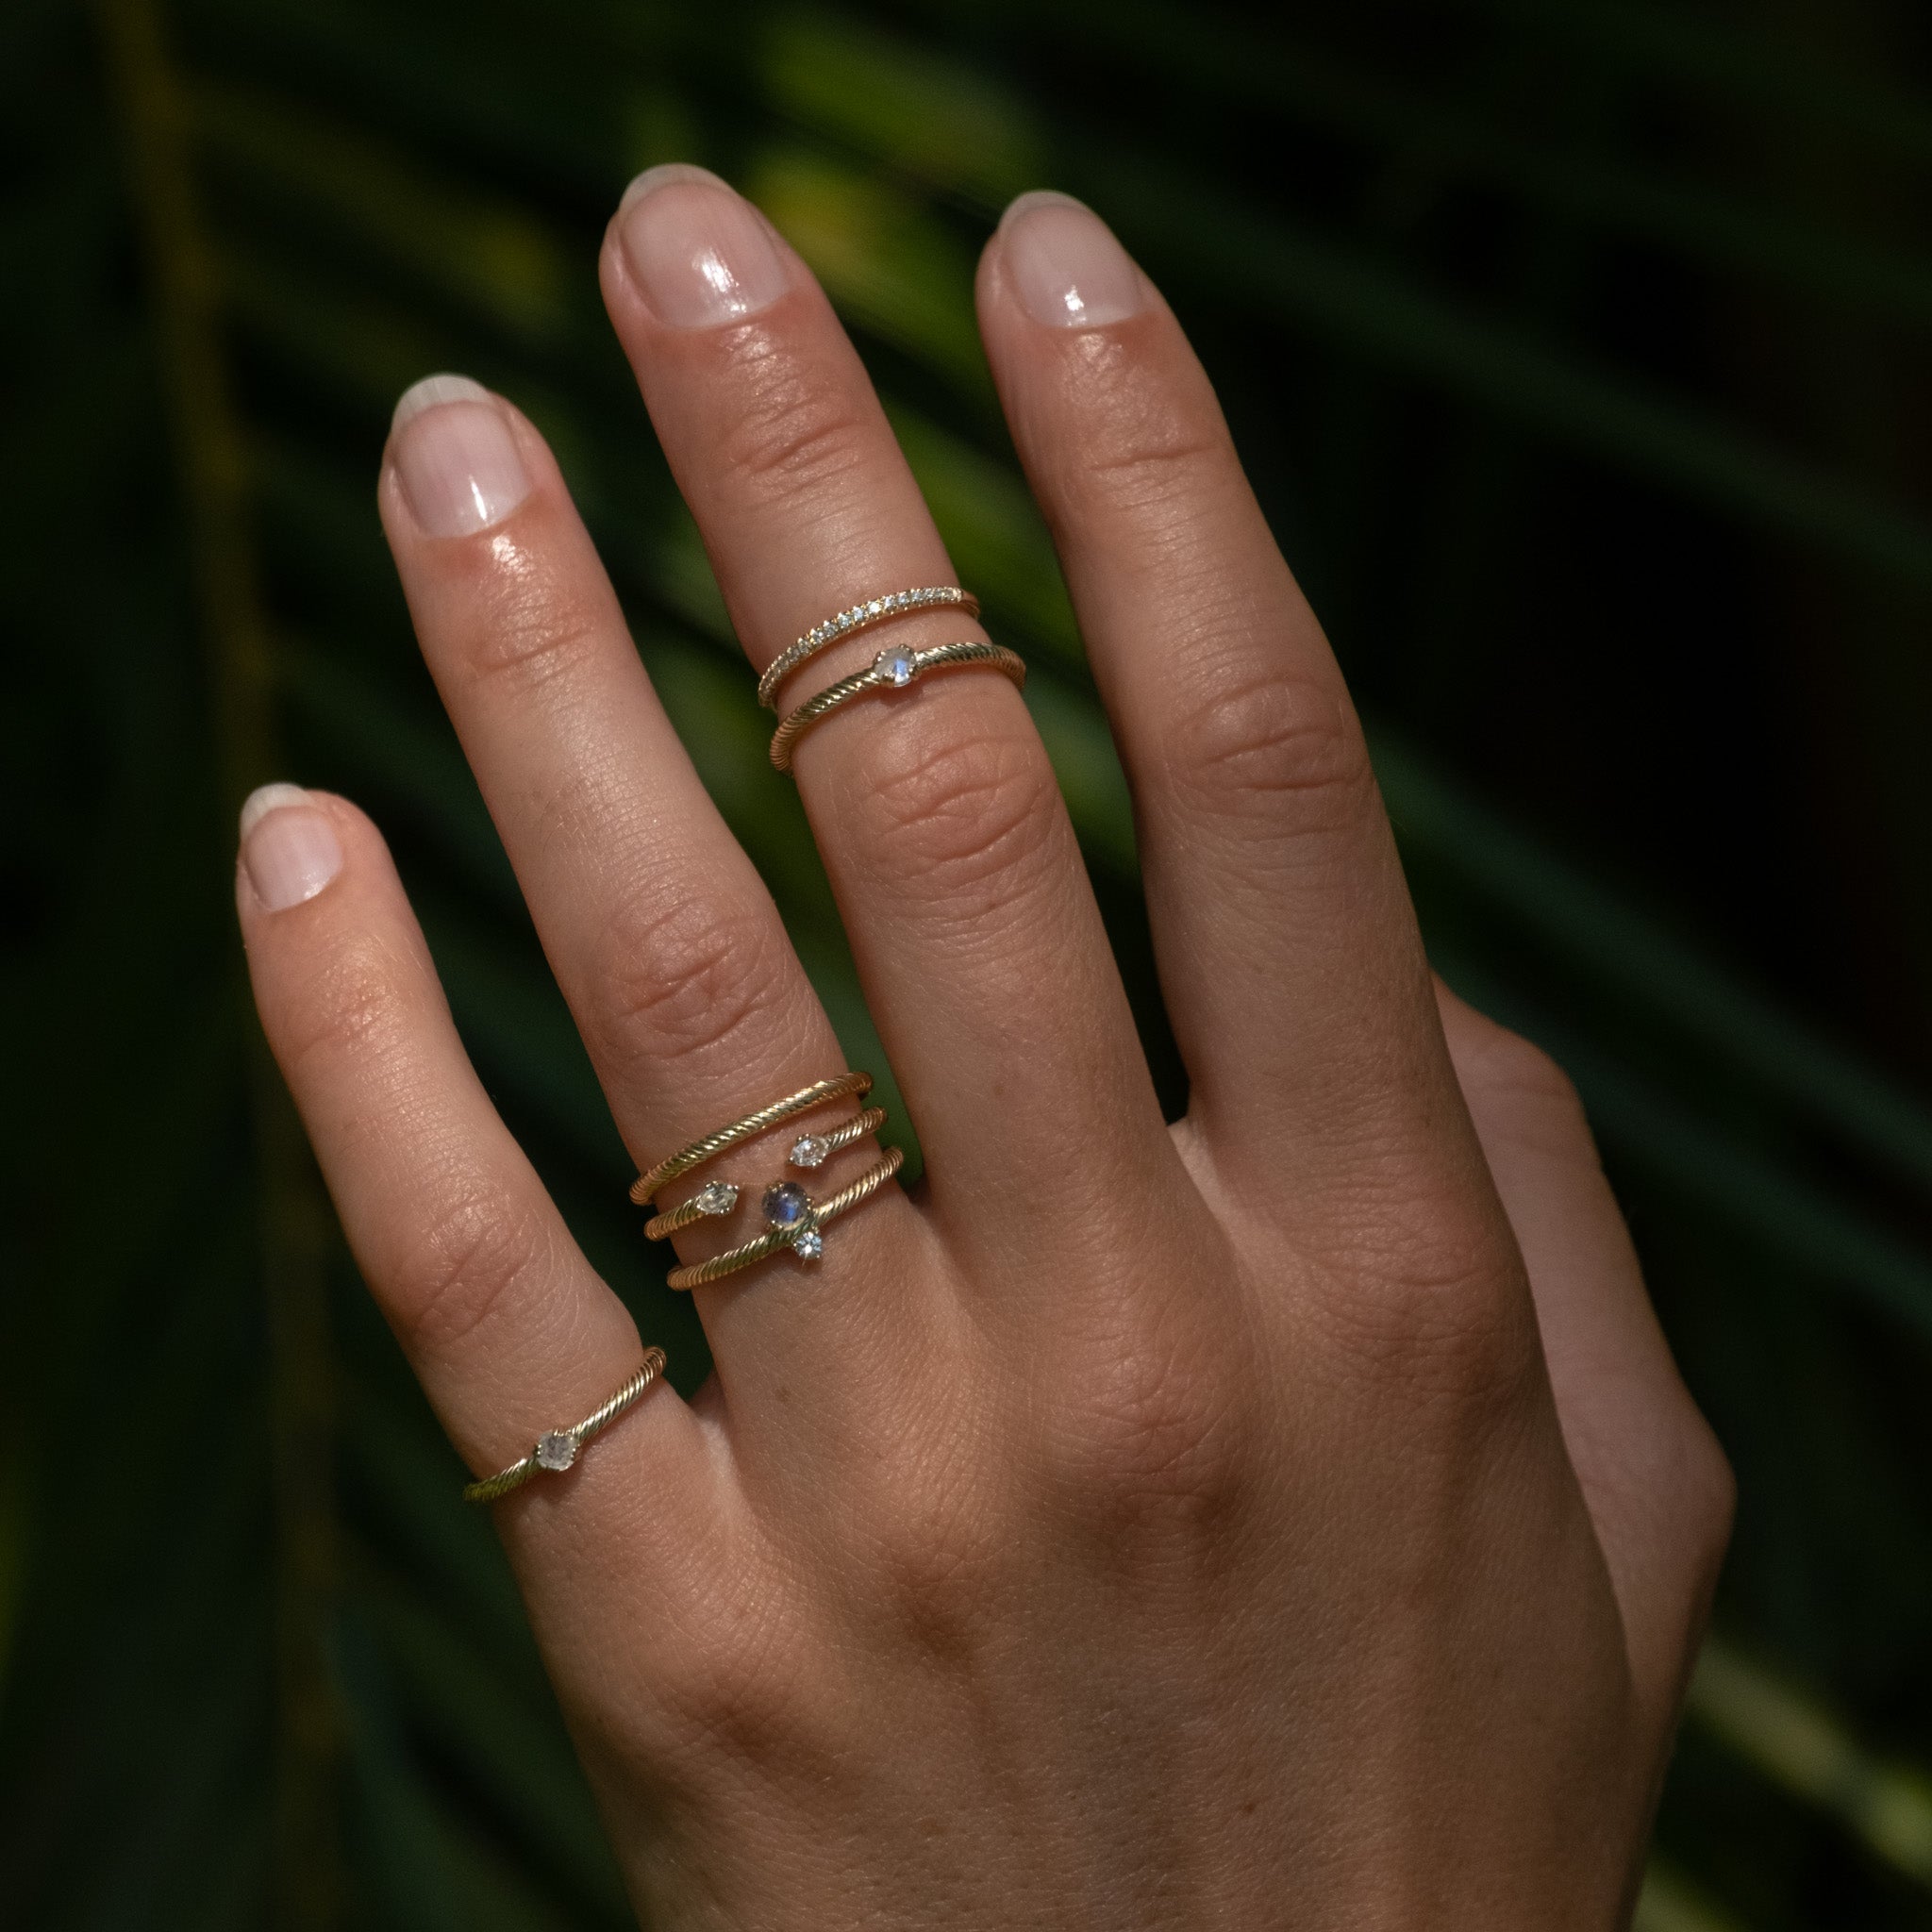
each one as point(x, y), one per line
point(289, 847)
point(454, 456)
point(699, 252)
point(1067, 268)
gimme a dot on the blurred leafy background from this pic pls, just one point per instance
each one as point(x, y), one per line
point(1579, 349)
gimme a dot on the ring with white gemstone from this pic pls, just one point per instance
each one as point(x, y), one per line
point(795, 1221)
point(814, 1150)
point(860, 617)
point(709, 1146)
point(713, 1198)
point(556, 1450)
point(891, 670)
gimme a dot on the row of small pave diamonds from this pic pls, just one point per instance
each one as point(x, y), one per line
point(874, 610)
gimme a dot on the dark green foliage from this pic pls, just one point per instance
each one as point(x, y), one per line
point(1578, 350)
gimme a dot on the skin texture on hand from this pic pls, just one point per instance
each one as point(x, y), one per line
point(1286, 1517)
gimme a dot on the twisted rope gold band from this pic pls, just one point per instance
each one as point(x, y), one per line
point(645, 1186)
point(860, 617)
point(556, 1449)
point(891, 671)
point(732, 1260)
point(721, 1198)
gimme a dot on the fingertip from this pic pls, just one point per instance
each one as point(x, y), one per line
point(290, 849)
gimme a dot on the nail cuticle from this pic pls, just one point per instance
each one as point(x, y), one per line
point(699, 255)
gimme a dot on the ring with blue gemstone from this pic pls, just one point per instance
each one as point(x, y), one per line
point(793, 1220)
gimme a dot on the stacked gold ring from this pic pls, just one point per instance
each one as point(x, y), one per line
point(801, 1235)
point(796, 1219)
point(721, 1198)
point(708, 1147)
point(860, 617)
point(891, 670)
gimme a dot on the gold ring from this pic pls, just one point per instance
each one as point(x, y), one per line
point(797, 1222)
point(817, 1094)
point(721, 1198)
point(556, 1449)
point(891, 670)
point(877, 610)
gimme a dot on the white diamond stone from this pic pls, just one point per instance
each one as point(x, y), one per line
point(810, 1245)
point(556, 1450)
point(715, 1197)
point(808, 1150)
point(897, 666)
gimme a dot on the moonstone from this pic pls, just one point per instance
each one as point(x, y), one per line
point(558, 1449)
point(786, 1203)
point(896, 666)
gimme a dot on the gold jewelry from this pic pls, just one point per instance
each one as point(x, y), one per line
point(645, 1186)
point(900, 604)
point(556, 1449)
point(721, 1198)
point(796, 1223)
point(891, 670)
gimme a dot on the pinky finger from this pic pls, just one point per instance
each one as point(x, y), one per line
point(505, 1323)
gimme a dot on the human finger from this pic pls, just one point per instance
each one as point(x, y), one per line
point(1655, 1482)
point(665, 942)
point(981, 951)
point(506, 1326)
point(1289, 954)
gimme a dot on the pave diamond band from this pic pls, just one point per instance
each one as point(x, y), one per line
point(873, 611)
point(795, 1221)
point(891, 670)
point(556, 1450)
point(819, 1093)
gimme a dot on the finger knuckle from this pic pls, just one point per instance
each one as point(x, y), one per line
point(938, 1548)
point(1151, 1433)
point(686, 978)
point(1703, 1492)
point(1263, 744)
point(1512, 1065)
point(468, 1253)
point(351, 1011)
point(798, 431)
point(736, 1682)
point(531, 627)
point(1429, 1305)
point(1147, 460)
point(957, 819)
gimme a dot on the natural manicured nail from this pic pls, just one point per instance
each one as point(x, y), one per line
point(454, 456)
point(289, 848)
point(699, 251)
point(1066, 267)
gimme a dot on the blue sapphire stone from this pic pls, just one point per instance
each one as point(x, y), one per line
point(786, 1203)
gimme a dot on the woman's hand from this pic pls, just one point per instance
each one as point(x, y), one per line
point(1290, 1517)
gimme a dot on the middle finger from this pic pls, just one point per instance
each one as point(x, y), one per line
point(977, 935)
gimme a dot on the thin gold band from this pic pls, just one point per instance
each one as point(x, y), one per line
point(556, 1449)
point(860, 617)
point(732, 1260)
point(721, 1198)
point(645, 1186)
point(891, 671)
